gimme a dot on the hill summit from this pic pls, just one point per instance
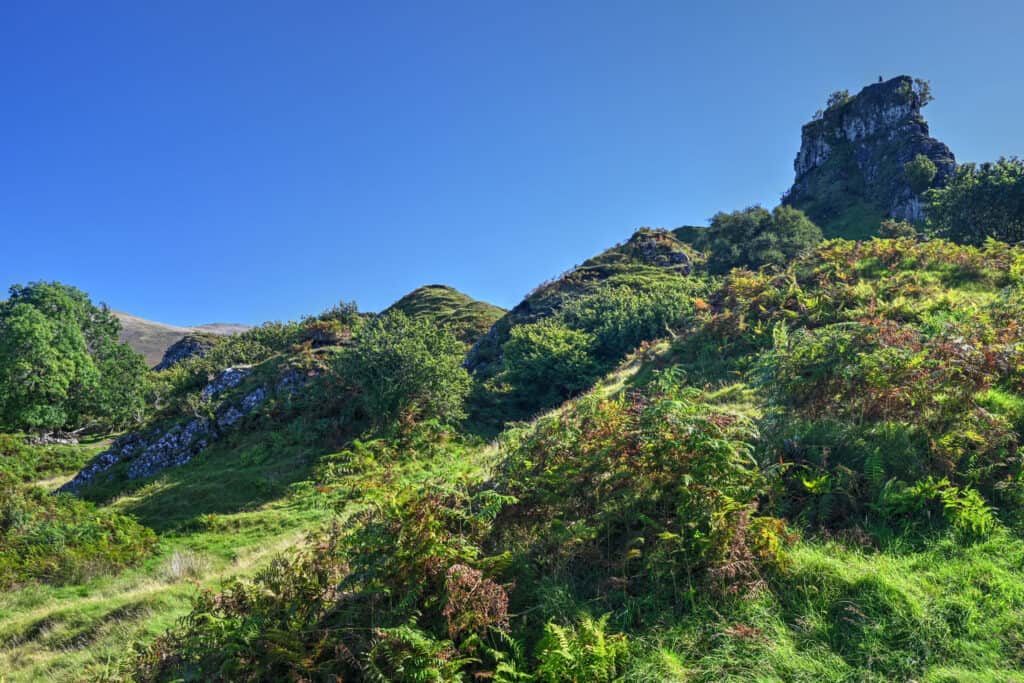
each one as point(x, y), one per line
point(851, 170)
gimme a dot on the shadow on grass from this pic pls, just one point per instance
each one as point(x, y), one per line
point(242, 472)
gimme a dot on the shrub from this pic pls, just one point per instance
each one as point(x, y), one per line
point(407, 369)
point(979, 202)
point(547, 362)
point(756, 237)
point(59, 539)
point(920, 172)
point(657, 489)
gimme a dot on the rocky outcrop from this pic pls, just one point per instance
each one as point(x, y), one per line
point(850, 167)
point(149, 452)
point(186, 347)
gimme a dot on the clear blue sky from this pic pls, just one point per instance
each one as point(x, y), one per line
point(194, 161)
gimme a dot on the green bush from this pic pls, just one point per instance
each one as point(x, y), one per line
point(920, 172)
point(757, 237)
point(980, 201)
point(406, 369)
point(548, 362)
point(59, 539)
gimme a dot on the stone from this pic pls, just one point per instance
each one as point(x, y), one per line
point(186, 347)
point(851, 160)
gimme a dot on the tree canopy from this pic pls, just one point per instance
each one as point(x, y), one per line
point(980, 201)
point(61, 365)
point(757, 237)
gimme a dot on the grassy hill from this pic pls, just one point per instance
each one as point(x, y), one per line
point(151, 339)
point(470, 319)
point(808, 473)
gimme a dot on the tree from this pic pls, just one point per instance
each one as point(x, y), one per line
point(838, 99)
point(407, 368)
point(980, 201)
point(920, 172)
point(756, 237)
point(61, 366)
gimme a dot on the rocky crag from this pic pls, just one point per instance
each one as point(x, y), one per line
point(850, 171)
point(188, 346)
point(150, 451)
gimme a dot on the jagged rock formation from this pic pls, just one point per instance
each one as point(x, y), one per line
point(850, 168)
point(186, 347)
point(646, 251)
point(151, 451)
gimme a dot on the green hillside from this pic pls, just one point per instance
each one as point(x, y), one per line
point(735, 453)
point(470, 319)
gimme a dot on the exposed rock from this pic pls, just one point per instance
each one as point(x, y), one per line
point(51, 440)
point(850, 167)
point(225, 380)
point(186, 347)
point(147, 453)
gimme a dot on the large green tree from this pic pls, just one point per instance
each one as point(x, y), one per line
point(61, 365)
point(980, 201)
point(757, 237)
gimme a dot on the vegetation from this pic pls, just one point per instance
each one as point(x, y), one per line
point(467, 318)
point(406, 369)
point(779, 459)
point(61, 366)
point(981, 201)
point(59, 539)
point(920, 172)
point(757, 237)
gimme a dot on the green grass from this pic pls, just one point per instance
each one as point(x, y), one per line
point(947, 613)
point(470, 319)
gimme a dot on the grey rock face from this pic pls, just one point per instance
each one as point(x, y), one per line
point(148, 453)
point(227, 379)
point(856, 152)
point(186, 347)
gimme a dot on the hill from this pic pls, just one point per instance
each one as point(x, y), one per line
point(786, 459)
point(812, 474)
point(152, 339)
point(469, 319)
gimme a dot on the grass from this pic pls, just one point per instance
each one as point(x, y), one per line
point(947, 613)
point(470, 319)
point(78, 632)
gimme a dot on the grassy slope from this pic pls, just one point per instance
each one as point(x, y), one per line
point(470, 319)
point(938, 611)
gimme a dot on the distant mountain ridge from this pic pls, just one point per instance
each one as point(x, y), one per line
point(152, 339)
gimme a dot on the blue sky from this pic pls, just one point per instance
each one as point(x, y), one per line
point(193, 161)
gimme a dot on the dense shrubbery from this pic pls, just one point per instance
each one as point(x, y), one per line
point(60, 539)
point(407, 369)
point(655, 490)
point(22, 462)
point(652, 495)
point(757, 237)
point(558, 357)
point(979, 202)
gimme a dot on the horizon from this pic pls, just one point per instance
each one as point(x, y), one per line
point(191, 165)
